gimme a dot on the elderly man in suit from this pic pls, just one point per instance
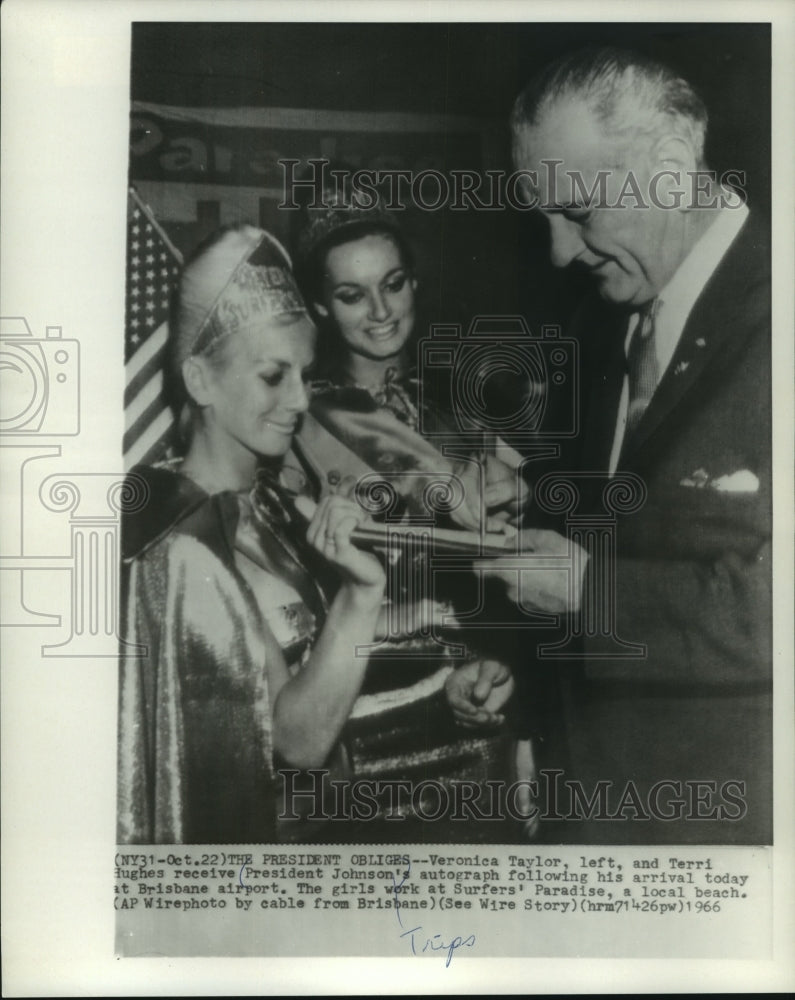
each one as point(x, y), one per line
point(674, 746)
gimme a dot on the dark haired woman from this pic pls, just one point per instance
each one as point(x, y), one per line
point(372, 424)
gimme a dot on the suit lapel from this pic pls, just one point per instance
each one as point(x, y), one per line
point(691, 358)
point(715, 329)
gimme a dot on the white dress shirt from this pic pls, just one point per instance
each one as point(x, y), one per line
point(677, 299)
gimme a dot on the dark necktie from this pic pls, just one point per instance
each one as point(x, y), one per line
point(642, 367)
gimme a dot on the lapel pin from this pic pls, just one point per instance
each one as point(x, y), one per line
point(699, 479)
point(700, 342)
point(681, 367)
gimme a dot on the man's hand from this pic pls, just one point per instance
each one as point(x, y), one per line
point(477, 691)
point(547, 576)
point(506, 495)
point(494, 490)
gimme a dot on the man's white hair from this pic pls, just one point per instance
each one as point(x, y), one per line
point(630, 94)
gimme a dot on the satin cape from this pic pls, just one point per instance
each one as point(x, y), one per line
point(196, 759)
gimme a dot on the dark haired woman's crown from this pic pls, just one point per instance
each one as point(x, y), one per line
point(333, 212)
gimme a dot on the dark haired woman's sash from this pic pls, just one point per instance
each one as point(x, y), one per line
point(348, 435)
point(401, 727)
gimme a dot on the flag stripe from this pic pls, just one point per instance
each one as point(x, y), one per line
point(142, 379)
point(149, 395)
point(135, 430)
point(152, 274)
point(144, 354)
point(145, 420)
point(148, 443)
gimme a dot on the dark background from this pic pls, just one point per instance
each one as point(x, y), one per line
point(483, 262)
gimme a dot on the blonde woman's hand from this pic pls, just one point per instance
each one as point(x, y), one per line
point(329, 532)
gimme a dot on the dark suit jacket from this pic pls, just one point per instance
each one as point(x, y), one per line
point(692, 579)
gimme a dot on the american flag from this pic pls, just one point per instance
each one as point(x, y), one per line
point(153, 265)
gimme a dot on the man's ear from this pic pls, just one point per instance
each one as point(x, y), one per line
point(674, 163)
point(675, 152)
point(197, 380)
